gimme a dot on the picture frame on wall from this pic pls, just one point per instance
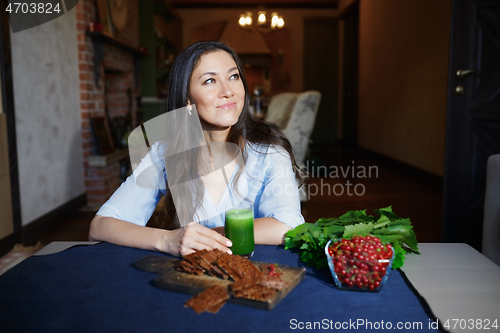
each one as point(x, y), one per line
point(104, 16)
point(102, 135)
point(118, 12)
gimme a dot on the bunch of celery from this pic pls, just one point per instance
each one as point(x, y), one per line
point(311, 238)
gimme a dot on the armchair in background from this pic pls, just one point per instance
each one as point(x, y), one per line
point(295, 114)
point(280, 109)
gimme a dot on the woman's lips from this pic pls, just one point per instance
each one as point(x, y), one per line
point(227, 106)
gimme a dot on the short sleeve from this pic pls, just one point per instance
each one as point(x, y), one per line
point(280, 194)
point(136, 199)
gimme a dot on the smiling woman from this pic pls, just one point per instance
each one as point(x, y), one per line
point(210, 76)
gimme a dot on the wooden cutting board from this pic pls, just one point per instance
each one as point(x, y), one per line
point(174, 280)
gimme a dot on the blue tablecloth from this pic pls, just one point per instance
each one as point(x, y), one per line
point(97, 289)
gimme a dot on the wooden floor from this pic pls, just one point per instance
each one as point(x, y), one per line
point(412, 193)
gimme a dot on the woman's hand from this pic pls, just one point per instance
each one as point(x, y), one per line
point(194, 237)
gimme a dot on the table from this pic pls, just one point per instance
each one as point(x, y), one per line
point(458, 283)
point(96, 289)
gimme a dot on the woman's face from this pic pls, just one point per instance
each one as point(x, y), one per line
point(217, 91)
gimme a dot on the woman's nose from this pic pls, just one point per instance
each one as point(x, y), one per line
point(225, 90)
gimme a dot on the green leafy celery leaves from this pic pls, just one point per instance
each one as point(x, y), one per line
point(311, 238)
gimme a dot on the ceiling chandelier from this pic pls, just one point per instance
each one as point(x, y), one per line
point(262, 24)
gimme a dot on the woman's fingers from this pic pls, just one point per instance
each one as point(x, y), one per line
point(196, 246)
point(212, 234)
point(197, 237)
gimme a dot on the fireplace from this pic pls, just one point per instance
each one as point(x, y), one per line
point(108, 67)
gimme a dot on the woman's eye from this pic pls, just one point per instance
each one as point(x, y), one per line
point(211, 80)
point(235, 77)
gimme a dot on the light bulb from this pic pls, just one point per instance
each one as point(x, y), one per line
point(262, 17)
point(274, 20)
point(242, 21)
point(248, 18)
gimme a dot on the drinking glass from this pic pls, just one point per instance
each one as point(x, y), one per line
point(239, 228)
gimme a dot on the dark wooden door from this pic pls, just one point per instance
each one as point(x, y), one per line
point(349, 89)
point(321, 74)
point(473, 117)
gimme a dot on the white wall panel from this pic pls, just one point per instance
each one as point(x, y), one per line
point(48, 125)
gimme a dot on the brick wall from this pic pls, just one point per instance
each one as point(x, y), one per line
point(117, 99)
point(101, 182)
point(116, 76)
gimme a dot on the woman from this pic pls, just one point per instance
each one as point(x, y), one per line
point(209, 76)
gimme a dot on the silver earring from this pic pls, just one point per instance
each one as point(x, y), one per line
point(189, 108)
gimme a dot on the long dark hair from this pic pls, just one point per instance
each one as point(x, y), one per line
point(247, 129)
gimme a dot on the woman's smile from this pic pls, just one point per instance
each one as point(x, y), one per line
point(227, 106)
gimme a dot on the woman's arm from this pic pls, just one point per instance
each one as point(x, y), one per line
point(178, 242)
point(269, 231)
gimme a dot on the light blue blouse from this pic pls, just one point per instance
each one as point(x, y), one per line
point(267, 180)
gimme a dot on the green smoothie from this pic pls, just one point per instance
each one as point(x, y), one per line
point(239, 229)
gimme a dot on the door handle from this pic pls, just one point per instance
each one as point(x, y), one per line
point(464, 72)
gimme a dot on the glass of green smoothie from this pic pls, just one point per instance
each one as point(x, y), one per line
point(239, 229)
